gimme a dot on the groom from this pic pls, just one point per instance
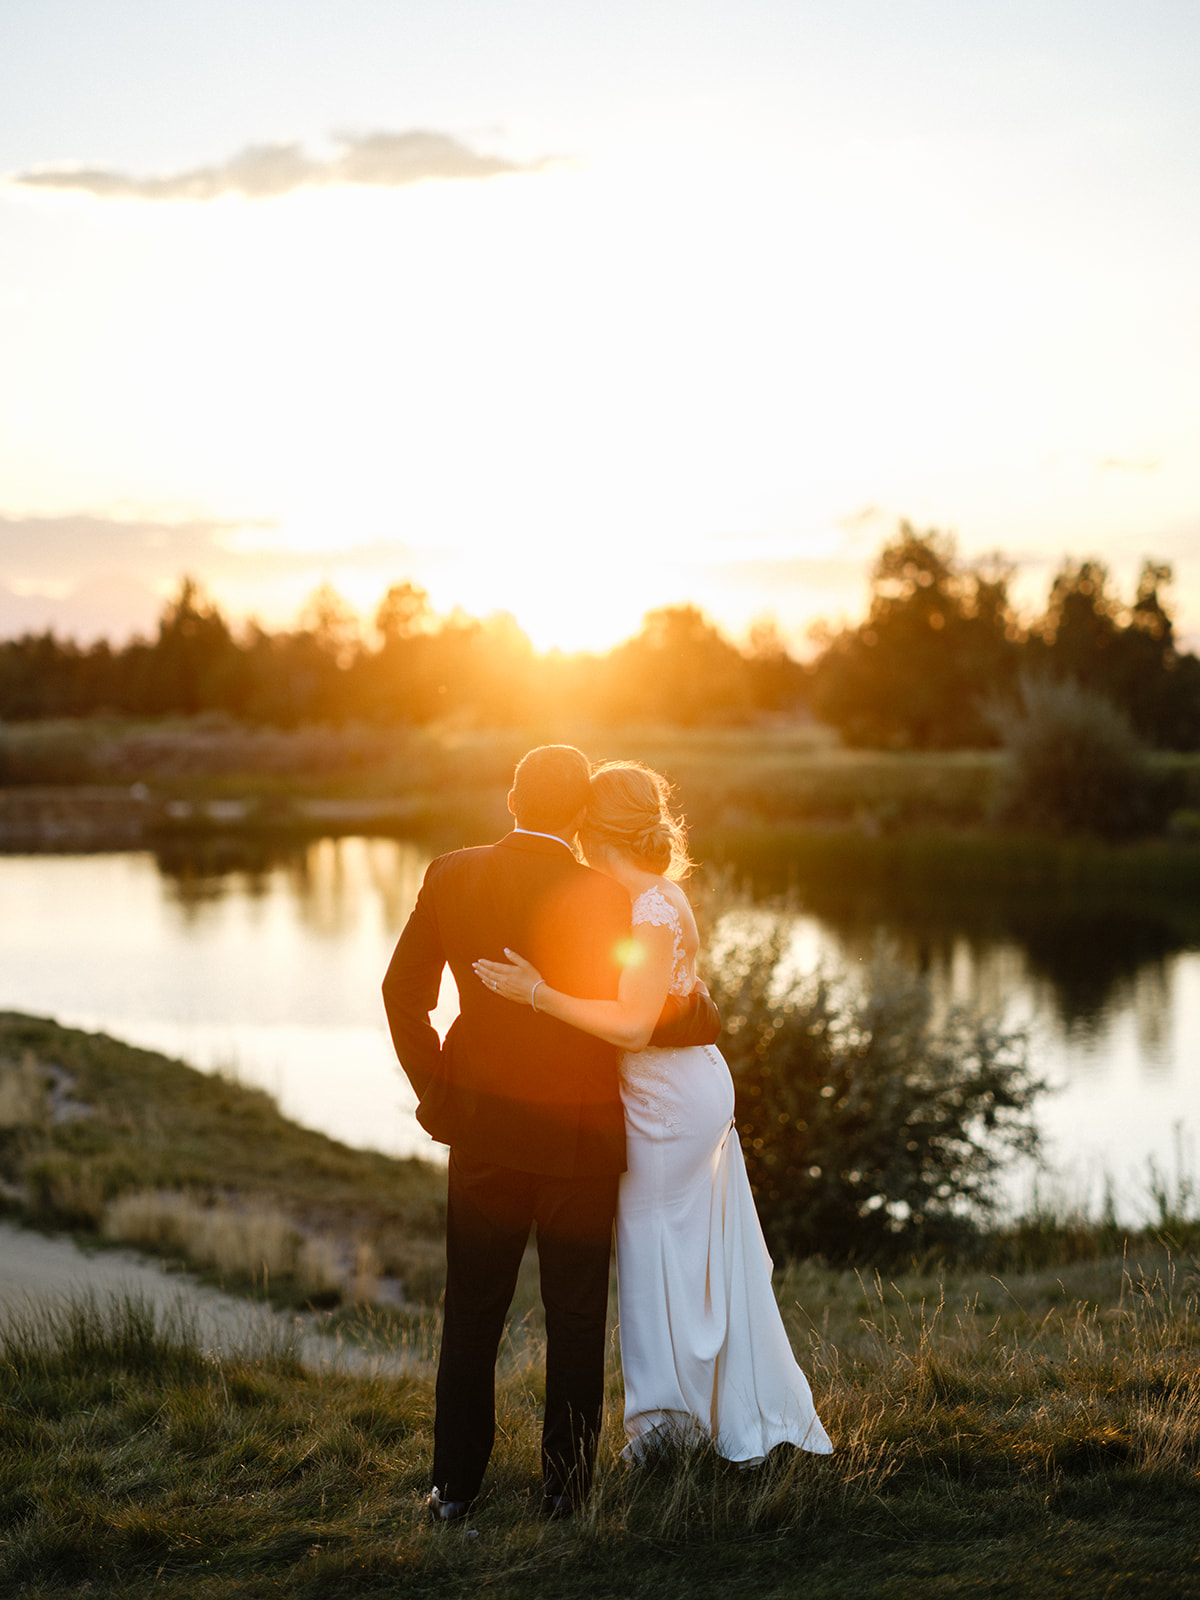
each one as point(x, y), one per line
point(532, 1113)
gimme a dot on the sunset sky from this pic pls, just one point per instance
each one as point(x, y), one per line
point(573, 310)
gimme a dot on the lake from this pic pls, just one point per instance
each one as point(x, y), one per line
point(265, 962)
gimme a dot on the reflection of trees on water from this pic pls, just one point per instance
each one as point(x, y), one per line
point(202, 870)
point(329, 880)
point(396, 869)
point(1085, 961)
point(325, 887)
point(335, 879)
point(1153, 1007)
point(1102, 959)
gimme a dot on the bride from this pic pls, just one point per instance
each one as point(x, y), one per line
point(703, 1347)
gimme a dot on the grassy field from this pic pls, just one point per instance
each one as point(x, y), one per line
point(1033, 1436)
point(725, 776)
point(1024, 1424)
point(764, 771)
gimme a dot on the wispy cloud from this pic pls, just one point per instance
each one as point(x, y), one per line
point(89, 575)
point(48, 550)
point(37, 549)
point(1128, 464)
point(265, 171)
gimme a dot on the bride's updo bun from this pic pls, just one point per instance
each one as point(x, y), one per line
point(628, 810)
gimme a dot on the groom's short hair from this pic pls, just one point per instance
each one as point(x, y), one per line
point(550, 788)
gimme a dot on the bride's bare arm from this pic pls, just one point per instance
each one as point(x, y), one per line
point(628, 1021)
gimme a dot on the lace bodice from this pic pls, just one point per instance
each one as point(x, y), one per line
point(653, 906)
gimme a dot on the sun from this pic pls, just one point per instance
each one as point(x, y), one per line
point(559, 603)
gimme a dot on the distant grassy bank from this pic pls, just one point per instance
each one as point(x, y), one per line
point(783, 802)
point(452, 776)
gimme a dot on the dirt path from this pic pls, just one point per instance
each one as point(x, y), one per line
point(38, 1269)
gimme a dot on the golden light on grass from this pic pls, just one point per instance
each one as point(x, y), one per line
point(255, 1244)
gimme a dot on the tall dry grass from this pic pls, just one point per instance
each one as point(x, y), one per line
point(1038, 1434)
point(240, 1244)
point(24, 1093)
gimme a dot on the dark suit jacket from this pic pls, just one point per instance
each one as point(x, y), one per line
point(509, 1085)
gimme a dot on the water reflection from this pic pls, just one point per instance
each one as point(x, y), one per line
point(327, 879)
point(1095, 959)
point(197, 871)
point(1087, 961)
point(265, 957)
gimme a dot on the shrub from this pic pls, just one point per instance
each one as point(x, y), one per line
point(871, 1127)
point(1075, 764)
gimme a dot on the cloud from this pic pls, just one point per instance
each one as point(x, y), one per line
point(89, 575)
point(50, 550)
point(865, 517)
point(264, 171)
point(47, 552)
point(111, 607)
point(1126, 464)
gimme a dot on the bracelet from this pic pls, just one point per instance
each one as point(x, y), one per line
point(533, 991)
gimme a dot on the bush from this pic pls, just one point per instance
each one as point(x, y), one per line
point(871, 1128)
point(1075, 764)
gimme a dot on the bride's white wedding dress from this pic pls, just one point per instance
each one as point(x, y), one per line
point(703, 1346)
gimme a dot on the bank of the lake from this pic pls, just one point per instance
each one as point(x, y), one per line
point(107, 780)
point(126, 1145)
point(118, 1143)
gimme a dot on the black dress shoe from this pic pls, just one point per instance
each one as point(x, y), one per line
point(441, 1510)
point(557, 1507)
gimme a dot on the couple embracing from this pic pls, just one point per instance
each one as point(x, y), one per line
point(577, 1087)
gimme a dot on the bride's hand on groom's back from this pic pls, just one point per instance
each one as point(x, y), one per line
point(514, 979)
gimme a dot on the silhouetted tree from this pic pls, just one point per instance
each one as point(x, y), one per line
point(1127, 654)
point(775, 680)
point(321, 657)
point(403, 687)
point(38, 674)
point(194, 664)
point(1075, 764)
point(403, 613)
point(938, 641)
point(498, 673)
point(680, 669)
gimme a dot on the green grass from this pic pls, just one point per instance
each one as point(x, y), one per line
point(1026, 1422)
point(1038, 1436)
point(834, 865)
point(155, 1127)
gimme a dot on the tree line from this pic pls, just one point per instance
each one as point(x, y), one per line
point(939, 654)
point(418, 668)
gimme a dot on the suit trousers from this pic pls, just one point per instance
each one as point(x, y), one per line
point(490, 1211)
